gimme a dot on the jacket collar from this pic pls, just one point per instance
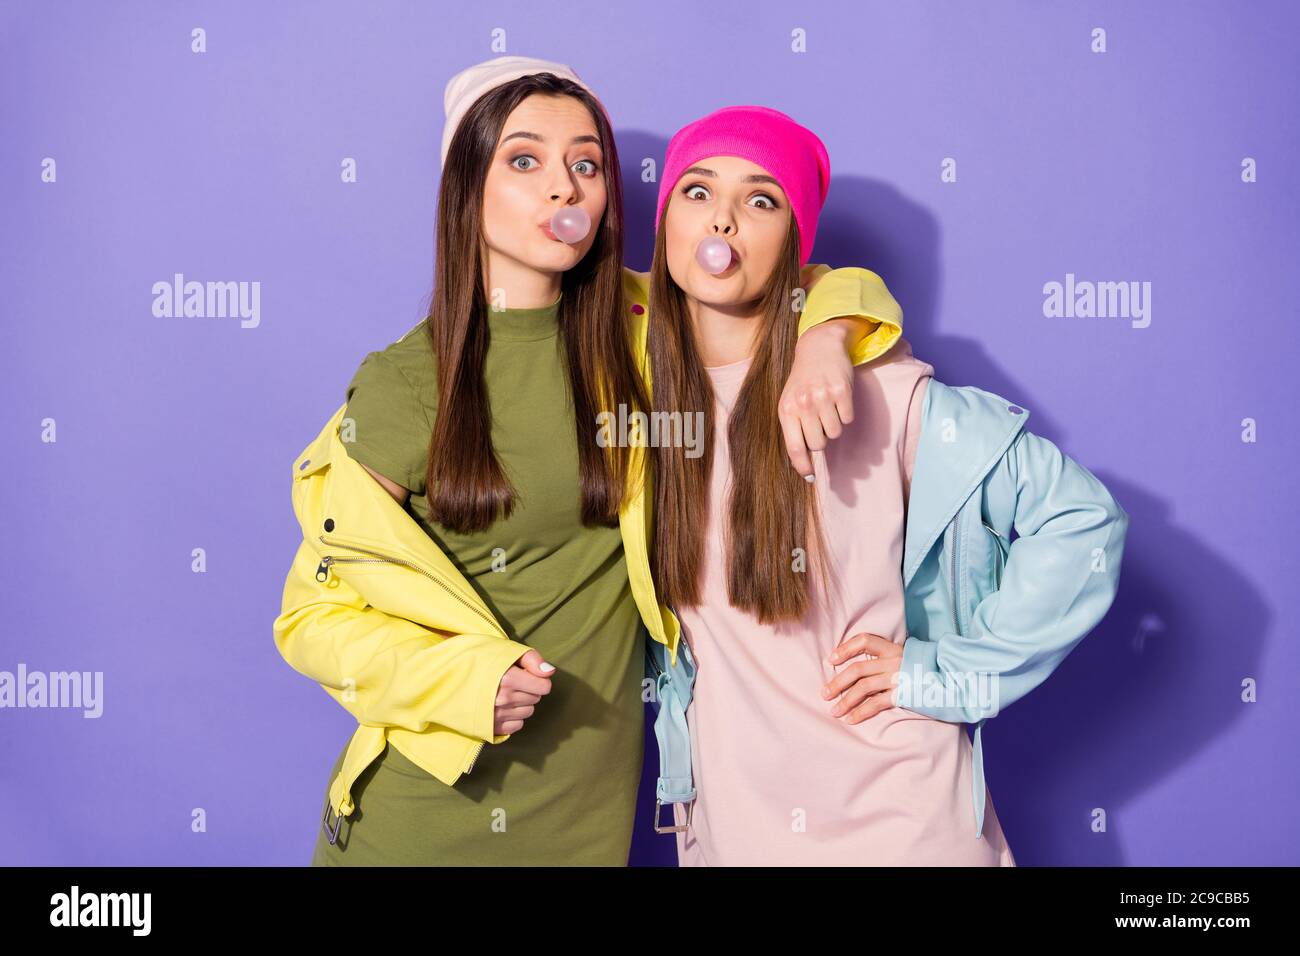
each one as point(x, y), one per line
point(964, 434)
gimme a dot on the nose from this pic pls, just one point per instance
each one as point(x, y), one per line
point(564, 187)
point(723, 225)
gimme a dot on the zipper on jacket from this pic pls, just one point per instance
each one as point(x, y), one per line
point(478, 749)
point(322, 571)
point(322, 574)
point(953, 561)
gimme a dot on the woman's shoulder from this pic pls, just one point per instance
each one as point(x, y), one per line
point(390, 410)
point(888, 393)
point(412, 353)
point(404, 366)
point(888, 396)
point(896, 372)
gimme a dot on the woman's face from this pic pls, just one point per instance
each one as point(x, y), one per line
point(548, 156)
point(740, 202)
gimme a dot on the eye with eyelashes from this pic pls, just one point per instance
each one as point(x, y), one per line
point(595, 167)
point(687, 191)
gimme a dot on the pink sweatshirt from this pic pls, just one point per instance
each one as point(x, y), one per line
point(780, 781)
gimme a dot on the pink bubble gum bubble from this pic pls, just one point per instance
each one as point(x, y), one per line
point(571, 224)
point(713, 254)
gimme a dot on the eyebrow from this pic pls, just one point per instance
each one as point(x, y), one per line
point(524, 134)
point(755, 178)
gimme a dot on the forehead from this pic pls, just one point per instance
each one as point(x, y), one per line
point(553, 120)
point(730, 169)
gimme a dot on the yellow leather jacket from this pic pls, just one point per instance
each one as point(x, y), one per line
point(380, 617)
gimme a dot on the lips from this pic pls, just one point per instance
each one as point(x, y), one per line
point(546, 228)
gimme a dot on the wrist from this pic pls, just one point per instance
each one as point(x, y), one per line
point(846, 331)
point(837, 329)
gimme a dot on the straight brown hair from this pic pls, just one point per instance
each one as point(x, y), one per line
point(466, 487)
point(772, 510)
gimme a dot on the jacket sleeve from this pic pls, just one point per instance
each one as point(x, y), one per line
point(1060, 578)
point(858, 294)
point(387, 670)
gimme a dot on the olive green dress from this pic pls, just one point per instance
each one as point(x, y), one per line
point(563, 789)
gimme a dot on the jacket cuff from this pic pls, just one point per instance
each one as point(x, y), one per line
point(860, 294)
point(920, 665)
point(924, 688)
point(498, 657)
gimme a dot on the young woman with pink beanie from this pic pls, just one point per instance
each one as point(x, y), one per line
point(791, 595)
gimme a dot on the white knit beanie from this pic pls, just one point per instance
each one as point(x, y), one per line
point(469, 84)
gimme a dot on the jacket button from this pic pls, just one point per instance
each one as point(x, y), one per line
point(304, 464)
point(329, 524)
point(1014, 409)
point(638, 309)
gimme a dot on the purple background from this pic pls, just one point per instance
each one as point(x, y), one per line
point(178, 433)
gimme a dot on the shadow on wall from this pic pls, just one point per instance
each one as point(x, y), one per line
point(1139, 695)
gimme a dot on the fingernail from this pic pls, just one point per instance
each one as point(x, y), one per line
point(812, 477)
point(547, 666)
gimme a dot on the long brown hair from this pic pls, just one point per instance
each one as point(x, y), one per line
point(772, 510)
point(466, 487)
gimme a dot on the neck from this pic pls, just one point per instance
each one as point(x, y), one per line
point(513, 285)
point(724, 334)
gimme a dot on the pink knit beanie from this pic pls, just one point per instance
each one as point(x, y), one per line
point(792, 154)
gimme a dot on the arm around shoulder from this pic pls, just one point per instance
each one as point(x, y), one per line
point(857, 303)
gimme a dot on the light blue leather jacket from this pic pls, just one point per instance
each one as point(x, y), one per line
point(988, 619)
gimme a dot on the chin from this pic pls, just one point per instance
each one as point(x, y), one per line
point(553, 257)
point(553, 252)
point(719, 293)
